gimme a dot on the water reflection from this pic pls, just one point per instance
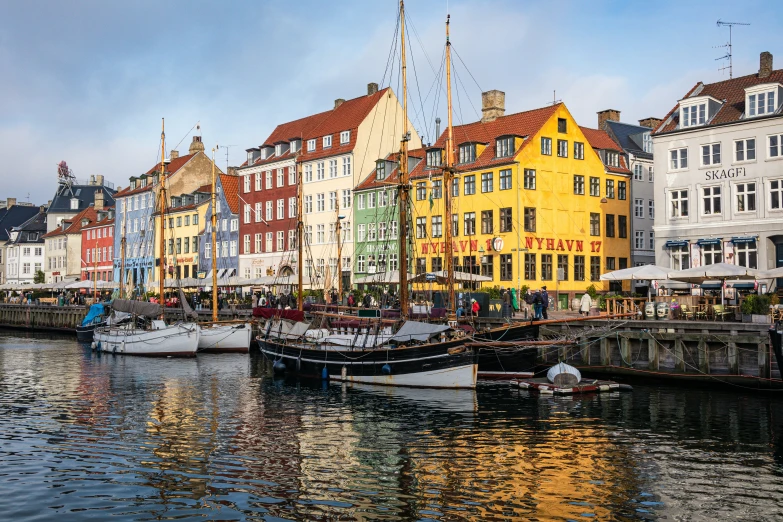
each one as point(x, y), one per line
point(85, 435)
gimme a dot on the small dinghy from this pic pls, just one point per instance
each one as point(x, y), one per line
point(563, 375)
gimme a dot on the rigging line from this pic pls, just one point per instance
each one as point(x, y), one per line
point(418, 89)
point(186, 135)
point(466, 67)
point(466, 93)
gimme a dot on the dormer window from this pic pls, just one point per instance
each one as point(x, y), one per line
point(380, 170)
point(693, 115)
point(278, 149)
point(310, 145)
point(250, 157)
point(761, 103)
point(434, 158)
point(133, 183)
point(295, 145)
point(504, 147)
point(75, 203)
point(327, 141)
point(467, 153)
point(345, 137)
point(647, 144)
point(612, 159)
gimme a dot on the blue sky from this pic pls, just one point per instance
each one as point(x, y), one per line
point(88, 81)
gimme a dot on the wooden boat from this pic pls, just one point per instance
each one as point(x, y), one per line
point(95, 317)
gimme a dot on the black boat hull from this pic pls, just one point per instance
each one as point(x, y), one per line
point(508, 362)
point(84, 333)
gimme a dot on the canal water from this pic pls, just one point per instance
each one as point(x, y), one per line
point(84, 437)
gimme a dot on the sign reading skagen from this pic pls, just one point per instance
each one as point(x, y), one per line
point(735, 172)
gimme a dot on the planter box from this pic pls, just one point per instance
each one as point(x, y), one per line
point(760, 319)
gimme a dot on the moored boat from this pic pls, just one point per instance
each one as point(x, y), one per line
point(95, 317)
point(225, 338)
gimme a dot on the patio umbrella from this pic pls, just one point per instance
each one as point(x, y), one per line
point(772, 273)
point(719, 271)
point(640, 273)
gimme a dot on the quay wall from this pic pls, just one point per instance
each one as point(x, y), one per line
point(714, 353)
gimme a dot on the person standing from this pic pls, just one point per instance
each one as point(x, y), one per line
point(585, 304)
point(537, 303)
point(544, 302)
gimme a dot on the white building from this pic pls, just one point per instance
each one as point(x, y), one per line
point(719, 174)
point(25, 249)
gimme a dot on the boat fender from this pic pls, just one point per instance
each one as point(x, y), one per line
point(298, 364)
point(278, 367)
point(93, 345)
point(325, 373)
point(455, 350)
point(386, 369)
point(344, 373)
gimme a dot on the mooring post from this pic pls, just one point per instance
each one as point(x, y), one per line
point(606, 359)
point(653, 357)
point(704, 359)
point(679, 363)
point(625, 350)
point(764, 366)
point(733, 358)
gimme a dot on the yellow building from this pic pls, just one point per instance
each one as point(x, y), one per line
point(182, 231)
point(537, 201)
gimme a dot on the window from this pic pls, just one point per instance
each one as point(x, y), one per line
point(776, 146)
point(332, 200)
point(421, 227)
point(280, 241)
point(562, 148)
point(434, 158)
point(546, 146)
point(437, 189)
point(710, 154)
point(360, 266)
point(746, 197)
point(529, 219)
point(693, 115)
point(546, 267)
point(246, 183)
point(469, 265)
point(393, 230)
point(319, 234)
point(320, 202)
point(292, 176)
point(595, 224)
point(280, 209)
point(745, 150)
point(595, 268)
point(486, 182)
point(467, 153)
point(470, 223)
point(488, 266)
point(470, 185)
point(530, 267)
point(579, 150)
point(308, 173)
point(610, 264)
point(346, 166)
point(308, 204)
point(246, 244)
point(360, 201)
point(194, 242)
point(562, 125)
point(746, 254)
point(680, 257)
point(455, 225)
point(529, 179)
point(487, 222)
point(652, 241)
point(269, 216)
point(638, 208)
point(345, 137)
point(280, 178)
point(455, 187)
point(612, 159)
point(650, 174)
point(609, 225)
point(637, 172)
point(638, 240)
point(437, 226)
point(371, 200)
point(505, 179)
point(621, 190)
point(421, 191)
point(319, 171)
point(327, 141)
point(333, 168)
point(292, 207)
point(505, 267)
point(711, 200)
point(506, 220)
point(504, 147)
point(651, 209)
point(679, 159)
point(711, 253)
point(761, 103)
point(310, 145)
point(595, 186)
point(776, 194)
point(382, 231)
point(269, 180)
point(380, 170)
point(679, 201)
point(360, 233)
point(610, 188)
point(579, 185)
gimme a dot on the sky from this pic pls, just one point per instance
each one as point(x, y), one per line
point(89, 81)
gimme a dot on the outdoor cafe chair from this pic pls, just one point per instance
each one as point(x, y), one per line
point(720, 311)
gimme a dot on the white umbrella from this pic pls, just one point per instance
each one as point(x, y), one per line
point(772, 273)
point(641, 273)
point(719, 271)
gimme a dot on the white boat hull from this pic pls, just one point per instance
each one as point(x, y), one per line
point(222, 338)
point(178, 340)
point(456, 377)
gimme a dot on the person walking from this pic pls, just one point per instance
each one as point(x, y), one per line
point(585, 304)
point(544, 302)
point(537, 304)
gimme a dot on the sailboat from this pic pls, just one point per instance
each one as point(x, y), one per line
point(147, 333)
point(221, 338)
point(371, 350)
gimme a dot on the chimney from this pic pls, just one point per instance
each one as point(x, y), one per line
point(437, 128)
point(99, 180)
point(372, 88)
point(650, 122)
point(493, 105)
point(232, 171)
point(196, 145)
point(174, 154)
point(99, 199)
point(607, 115)
point(338, 102)
point(10, 202)
point(92, 179)
point(765, 64)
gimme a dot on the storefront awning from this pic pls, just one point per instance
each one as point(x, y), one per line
point(711, 241)
point(679, 243)
point(744, 239)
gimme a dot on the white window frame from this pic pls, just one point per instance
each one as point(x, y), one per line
point(756, 109)
point(708, 197)
point(676, 157)
point(258, 182)
point(778, 150)
point(676, 198)
point(776, 188)
point(345, 137)
point(310, 145)
point(741, 148)
point(638, 208)
point(327, 141)
point(746, 192)
point(711, 155)
point(693, 115)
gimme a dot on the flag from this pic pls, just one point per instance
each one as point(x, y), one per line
point(432, 201)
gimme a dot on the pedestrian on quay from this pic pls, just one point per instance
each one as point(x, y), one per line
point(585, 304)
point(538, 302)
point(544, 302)
point(475, 307)
point(351, 301)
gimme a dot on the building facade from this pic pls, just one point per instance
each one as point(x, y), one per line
point(11, 215)
point(227, 229)
point(182, 235)
point(537, 201)
point(25, 249)
point(97, 247)
point(74, 196)
point(719, 174)
point(64, 254)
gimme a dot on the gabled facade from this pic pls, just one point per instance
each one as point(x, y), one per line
point(11, 215)
point(25, 249)
point(334, 151)
point(227, 233)
point(719, 174)
point(64, 260)
point(97, 247)
point(182, 233)
point(537, 200)
point(72, 197)
point(137, 203)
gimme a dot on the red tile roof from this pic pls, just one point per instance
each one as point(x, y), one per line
point(600, 139)
point(231, 191)
point(733, 91)
point(75, 226)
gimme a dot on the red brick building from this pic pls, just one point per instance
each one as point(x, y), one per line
point(97, 247)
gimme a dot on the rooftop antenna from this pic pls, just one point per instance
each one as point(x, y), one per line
point(225, 147)
point(727, 56)
point(555, 101)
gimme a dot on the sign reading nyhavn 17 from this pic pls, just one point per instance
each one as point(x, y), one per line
point(734, 172)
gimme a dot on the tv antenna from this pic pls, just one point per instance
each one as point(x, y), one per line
point(225, 147)
point(727, 56)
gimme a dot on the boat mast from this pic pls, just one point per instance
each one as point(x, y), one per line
point(214, 242)
point(403, 189)
point(299, 233)
point(95, 272)
point(339, 255)
point(448, 175)
point(122, 254)
point(162, 193)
